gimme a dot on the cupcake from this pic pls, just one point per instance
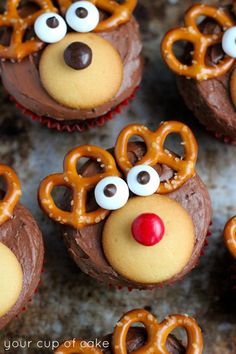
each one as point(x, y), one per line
point(230, 236)
point(206, 74)
point(72, 66)
point(138, 215)
point(134, 339)
point(21, 250)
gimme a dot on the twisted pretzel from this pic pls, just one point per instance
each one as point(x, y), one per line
point(80, 185)
point(120, 13)
point(12, 195)
point(156, 152)
point(157, 335)
point(17, 50)
point(230, 236)
point(198, 69)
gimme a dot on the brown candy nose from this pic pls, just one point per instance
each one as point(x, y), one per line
point(78, 55)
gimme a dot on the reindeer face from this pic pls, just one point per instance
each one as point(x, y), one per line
point(75, 59)
point(139, 230)
point(208, 62)
point(78, 61)
point(11, 276)
point(199, 68)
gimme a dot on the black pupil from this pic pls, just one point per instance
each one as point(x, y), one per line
point(110, 190)
point(143, 177)
point(81, 12)
point(52, 22)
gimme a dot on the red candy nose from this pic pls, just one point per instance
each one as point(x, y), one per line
point(148, 229)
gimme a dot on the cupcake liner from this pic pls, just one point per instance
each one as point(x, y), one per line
point(221, 137)
point(80, 126)
point(160, 286)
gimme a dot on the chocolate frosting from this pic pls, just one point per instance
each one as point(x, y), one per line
point(22, 79)
point(22, 235)
point(85, 245)
point(137, 337)
point(210, 100)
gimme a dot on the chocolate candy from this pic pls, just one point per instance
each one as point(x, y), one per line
point(78, 55)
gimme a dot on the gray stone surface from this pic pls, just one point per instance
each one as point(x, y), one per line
point(69, 304)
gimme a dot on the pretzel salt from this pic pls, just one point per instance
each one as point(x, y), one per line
point(18, 49)
point(119, 13)
point(157, 335)
point(198, 70)
point(230, 236)
point(80, 185)
point(12, 195)
point(157, 154)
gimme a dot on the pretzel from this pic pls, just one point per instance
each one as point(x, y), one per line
point(17, 50)
point(198, 70)
point(80, 185)
point(230, 236)
point(157, 332)
point(157, 154)
point(120, 13)
point(13, 193)
point(157, 335)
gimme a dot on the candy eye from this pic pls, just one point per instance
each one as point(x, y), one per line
point(229, 42)
point(82, 16)
point(50, 27)
point(111, 193)
point(143, 180)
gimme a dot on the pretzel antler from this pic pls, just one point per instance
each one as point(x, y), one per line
point(198, 69)
point(120, 13)
point(156, 152)
point(230, 236)
point(18, 49)
point(12, 195)
point(157, 335)
point(80, 185)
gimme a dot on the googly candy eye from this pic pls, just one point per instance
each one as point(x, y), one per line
point(82, 16)
point(50, 27)
point(111, 193)
point(143, 180)
point(229, 42)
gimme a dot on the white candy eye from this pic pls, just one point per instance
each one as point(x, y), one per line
point(82, 16)
point(111, 193)
point(229, 42)
point(143, 180)
point(50, 27)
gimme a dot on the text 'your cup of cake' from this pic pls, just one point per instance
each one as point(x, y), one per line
point(21, 250)
point(70, 65)
point(207, 69)
point(154, 337)
point(138, 215)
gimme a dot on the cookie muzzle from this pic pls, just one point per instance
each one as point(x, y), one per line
point(82, 71)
